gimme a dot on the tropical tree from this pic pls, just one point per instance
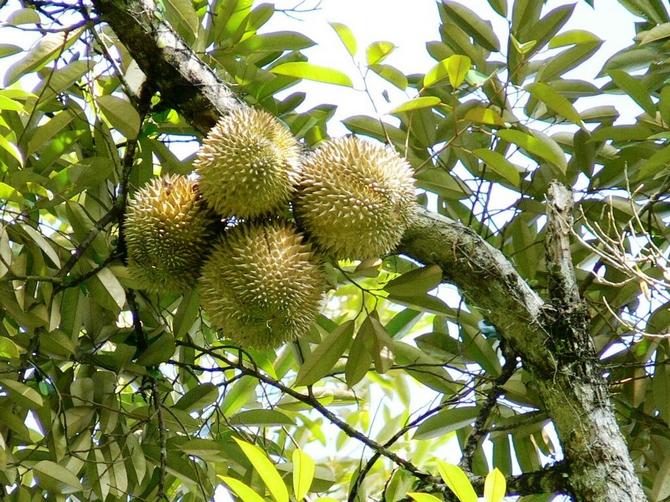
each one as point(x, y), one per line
point(549, 374)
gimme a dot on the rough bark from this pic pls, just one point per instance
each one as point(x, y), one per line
point(551, 337)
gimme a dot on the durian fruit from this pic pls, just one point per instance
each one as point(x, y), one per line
point(262, 285)
point(248, 164)
point(355, 198)
point(168, 230)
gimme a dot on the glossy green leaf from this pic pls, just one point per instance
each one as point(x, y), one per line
point(23, 16)
point(185, 13)
point(417, 104)
point(423, 497)
point(419, 280)
point(499, 165)
point(484, 116)
point(60, 476)
point(12, 149)
point(457, 481)
point(121, 114)
point(500, 6)
point(573, 37)
point(245, 493)
point(160, 350)
point(635, 89)
point(376, 52)
point(44, 51)
point(360, 354)
point(390, 74)
point(198, 398)
point(266, 470)
point(276, 41)
point(537, 144)
point(24, 395)
point(308, 71)
point(494, 486)
point(445, 421)
point(346, 37)
point(320, 362)
point(472, 24)
point(263, 418)
point(303, 473)
point(555, 101)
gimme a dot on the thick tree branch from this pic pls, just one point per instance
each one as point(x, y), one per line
point(568, 381)
point(185, 81)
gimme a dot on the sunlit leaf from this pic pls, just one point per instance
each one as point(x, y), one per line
point(308, 71)
point(266, 470)
point(346, 36)
point(494, 486)
point(457, 481)
point(303, 473)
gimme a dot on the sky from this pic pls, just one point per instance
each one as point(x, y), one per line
point(409, 24)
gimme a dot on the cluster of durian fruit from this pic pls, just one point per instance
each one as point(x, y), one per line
point(260, 276)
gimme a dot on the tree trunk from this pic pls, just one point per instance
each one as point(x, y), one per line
point(551, 338)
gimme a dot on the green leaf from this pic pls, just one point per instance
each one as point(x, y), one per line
point(555, 101)
point(308, 71)
point(121, 114)
point(42, 242)
point(376, 52)
point(245, 493)
point(425, 303)
point(198, 398)
point(523, 48)
point(484, 116)
point(499, 165)
point(22, 394)
point(457, 68)
point(500, 6)
point(266, 470)
point(423, 497)
point(9, 104)
point(277, 41)
point(472, 24)
point(160, 350)
point(44, 51)
point(419, 280)
point(321, 361)
point(494, 486)
point(573, 37)
point(658, 32)
point(303, 473)
point(390, 74)
point(457, 481)
point(655, 164)
point(538, 144)
point(23, 16)
point(416, 104)
point(264, 418)
point(454, 67)
point(66, 481)
point(347, 37)
point(360, 356)
point(184, 12)
point(8, 349)
point(12, 149)
point(10, 193)
point(445, 421)
point(635, 89)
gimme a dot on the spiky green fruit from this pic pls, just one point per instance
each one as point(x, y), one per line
point(355, 198)
point(248, 164)
point(262, 285)
point(168, 231)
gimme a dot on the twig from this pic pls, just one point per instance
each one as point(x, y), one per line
point(478, 429)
